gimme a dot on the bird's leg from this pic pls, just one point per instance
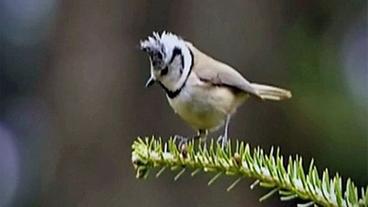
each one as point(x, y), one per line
point(223, 139)
point(201, 135)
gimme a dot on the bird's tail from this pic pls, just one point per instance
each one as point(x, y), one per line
point(270, 92)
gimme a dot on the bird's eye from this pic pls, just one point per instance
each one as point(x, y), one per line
point(157, 59)
point(159, 55)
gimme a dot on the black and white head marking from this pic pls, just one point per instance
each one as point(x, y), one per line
point(171, 61)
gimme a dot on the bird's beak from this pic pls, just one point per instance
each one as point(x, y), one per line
point(150, 82)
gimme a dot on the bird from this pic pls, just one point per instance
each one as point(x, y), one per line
point(202, 90)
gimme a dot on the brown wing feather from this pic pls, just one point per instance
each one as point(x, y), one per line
point(218, 73)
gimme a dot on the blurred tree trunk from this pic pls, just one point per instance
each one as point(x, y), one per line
point(90, 96)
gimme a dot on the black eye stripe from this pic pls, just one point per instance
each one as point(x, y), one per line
point(176, 52)
point(182, 63)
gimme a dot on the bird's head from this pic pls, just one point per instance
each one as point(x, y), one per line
point(170, 59)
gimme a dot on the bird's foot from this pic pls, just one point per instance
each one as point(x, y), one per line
point(201, 138)
point(181, 140)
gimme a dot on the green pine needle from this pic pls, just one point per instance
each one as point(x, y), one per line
point(214, 178)
point(233, 184)
point(268, 169)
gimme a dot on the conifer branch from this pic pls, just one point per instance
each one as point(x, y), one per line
point(269, 170)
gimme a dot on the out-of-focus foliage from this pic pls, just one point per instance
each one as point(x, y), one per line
point(72, 94)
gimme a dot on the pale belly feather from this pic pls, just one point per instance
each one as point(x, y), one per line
point(206, 107)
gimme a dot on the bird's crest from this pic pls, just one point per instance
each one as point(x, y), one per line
point(161, 45)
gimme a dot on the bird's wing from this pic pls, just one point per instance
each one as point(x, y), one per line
point(218, 73)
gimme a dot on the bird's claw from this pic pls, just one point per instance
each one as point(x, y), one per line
point(222, 140)
point(181, 139)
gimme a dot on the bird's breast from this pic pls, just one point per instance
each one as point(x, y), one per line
point(204, 106)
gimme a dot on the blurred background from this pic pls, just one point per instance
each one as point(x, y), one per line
point(72, 96)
